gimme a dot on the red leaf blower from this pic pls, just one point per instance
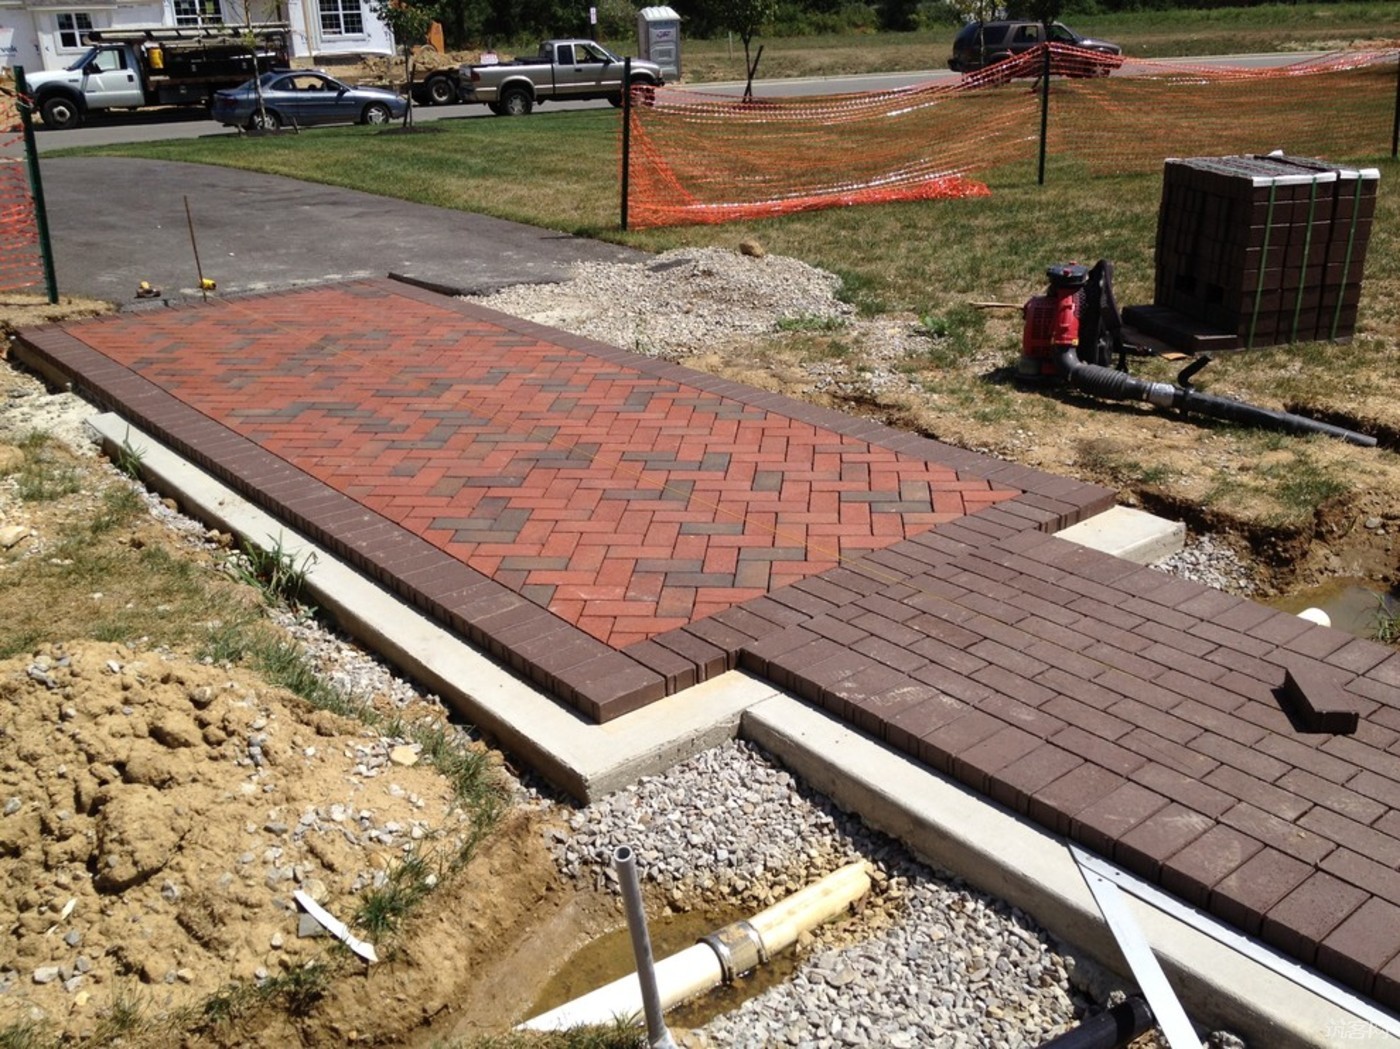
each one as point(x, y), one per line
point(1072, 332)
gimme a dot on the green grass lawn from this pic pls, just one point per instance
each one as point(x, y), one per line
point(1142, 34)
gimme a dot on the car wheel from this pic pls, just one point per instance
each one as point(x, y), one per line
point(516, 102)
point(440, 91)
point(496, 108)
point(377, 113)
point(61, 113)
point(264, 120)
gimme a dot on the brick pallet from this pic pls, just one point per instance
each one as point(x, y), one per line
point(1258, 251)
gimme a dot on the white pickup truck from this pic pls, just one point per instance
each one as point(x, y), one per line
point(138, 66)
point(563, 70)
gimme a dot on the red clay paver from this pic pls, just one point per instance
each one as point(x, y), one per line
point(617, 529)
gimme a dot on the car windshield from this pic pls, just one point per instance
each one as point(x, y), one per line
point(1062, 35)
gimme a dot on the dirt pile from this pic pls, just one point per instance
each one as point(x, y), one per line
point(384, 69)
point(158, 814)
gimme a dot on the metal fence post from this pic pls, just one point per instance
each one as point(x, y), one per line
point(1395, 127)
point(36, 184)
point(626, 134)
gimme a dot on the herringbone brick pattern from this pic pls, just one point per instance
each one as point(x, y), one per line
point(625, 503)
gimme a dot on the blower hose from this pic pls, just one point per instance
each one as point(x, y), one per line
point(1111, 1029)
point(1120, 386)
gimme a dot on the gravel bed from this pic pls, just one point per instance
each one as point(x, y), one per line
point(683, 301)
point(927, 961)
point(1208, 561)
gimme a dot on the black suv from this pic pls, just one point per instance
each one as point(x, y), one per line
point(980, 44)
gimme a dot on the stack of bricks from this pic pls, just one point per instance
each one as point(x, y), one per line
point(1258, 251)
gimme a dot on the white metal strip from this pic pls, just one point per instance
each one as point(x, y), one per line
point(1257, 952)
point(1152, 981)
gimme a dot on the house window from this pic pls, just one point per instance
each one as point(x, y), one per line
point(342, 18)
point(198, 13)
point(71, 27)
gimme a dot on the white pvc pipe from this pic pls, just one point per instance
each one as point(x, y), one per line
point(697, 969)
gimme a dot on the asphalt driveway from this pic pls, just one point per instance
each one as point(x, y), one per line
point(116, 222)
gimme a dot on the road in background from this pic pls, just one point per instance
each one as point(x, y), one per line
point(155, 125)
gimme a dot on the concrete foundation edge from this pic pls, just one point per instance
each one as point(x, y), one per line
point(995, 850)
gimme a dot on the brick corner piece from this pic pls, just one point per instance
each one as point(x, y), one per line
point(1314, 698)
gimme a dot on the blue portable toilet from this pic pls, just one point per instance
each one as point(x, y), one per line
point(659, 39)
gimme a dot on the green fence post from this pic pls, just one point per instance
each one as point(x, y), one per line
point(36, 184)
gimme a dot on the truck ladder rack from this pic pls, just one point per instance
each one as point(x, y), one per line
point(171, 34)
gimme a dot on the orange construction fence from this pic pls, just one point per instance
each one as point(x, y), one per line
point(699, 157)
point(21, 262)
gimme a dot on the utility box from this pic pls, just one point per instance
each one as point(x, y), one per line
point(1258, 251)
point(659, 39)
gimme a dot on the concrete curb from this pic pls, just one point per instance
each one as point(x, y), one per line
point(940, 821)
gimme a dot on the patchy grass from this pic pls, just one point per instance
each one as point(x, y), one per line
point(273, 571)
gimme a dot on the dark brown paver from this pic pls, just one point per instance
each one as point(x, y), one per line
point(617, 529)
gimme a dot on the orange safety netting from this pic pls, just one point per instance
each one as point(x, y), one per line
point(698, 157)
point(21, 265)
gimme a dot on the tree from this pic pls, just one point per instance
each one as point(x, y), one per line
point(409, 21)
point(975, 10)
point(744, 18)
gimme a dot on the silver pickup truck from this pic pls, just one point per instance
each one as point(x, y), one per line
point(563, 70)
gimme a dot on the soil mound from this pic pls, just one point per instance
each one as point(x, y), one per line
point(158, 814)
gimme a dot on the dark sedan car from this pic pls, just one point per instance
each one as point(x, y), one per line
point(300, 97)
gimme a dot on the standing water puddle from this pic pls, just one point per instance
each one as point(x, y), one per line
point(610, 958)
point(1353, 605)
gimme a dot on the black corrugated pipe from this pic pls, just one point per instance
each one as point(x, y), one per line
point(1120, 386)
point(1111, 1029)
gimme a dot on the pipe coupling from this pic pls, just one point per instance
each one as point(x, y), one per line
point(739, 948)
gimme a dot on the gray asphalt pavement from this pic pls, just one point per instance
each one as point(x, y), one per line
point(116, 222)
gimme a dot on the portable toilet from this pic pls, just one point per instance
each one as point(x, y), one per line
point(659, 39)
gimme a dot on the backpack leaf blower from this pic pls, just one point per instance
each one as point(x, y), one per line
point(1072, 332)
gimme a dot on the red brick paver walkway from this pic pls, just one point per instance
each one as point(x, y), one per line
point(617, 528)
point(612, 501)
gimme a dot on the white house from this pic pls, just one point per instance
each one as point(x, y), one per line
point(48, 34)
